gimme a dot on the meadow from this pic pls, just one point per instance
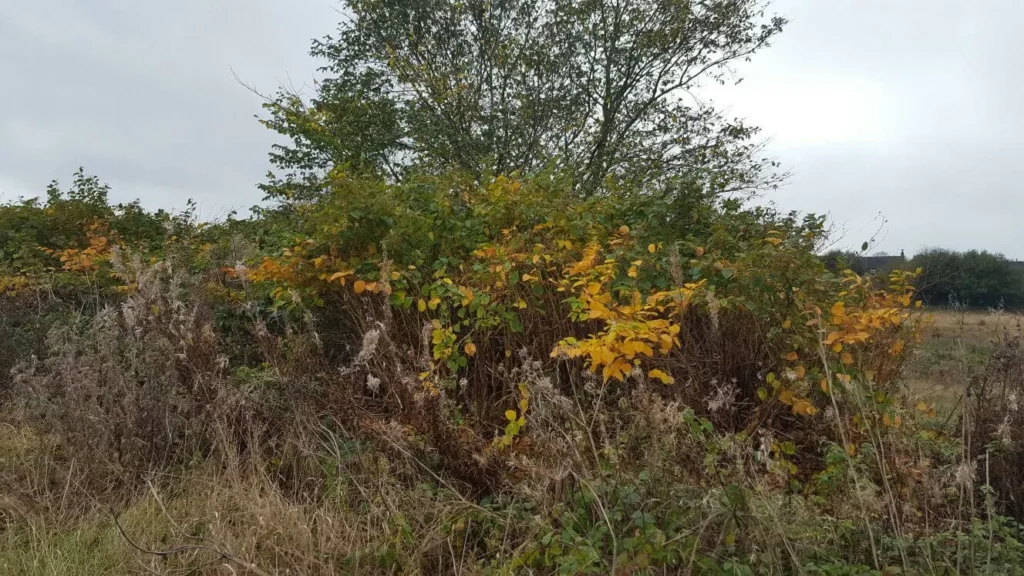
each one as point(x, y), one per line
point(954, 345)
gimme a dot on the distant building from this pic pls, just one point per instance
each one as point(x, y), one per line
point(875, 264)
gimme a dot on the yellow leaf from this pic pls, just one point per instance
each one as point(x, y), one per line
point(847, 358)
point(786, 323)
point(824, 385)
point(837, 347)
point(510, 415)
point(433, 303)
point(786, 396)
point(699, 250)
point(593, 287)
point(470, 349)
point(660, 375)
point(886, 420)
point(623, 229)
point(521, 304)
point(632, 272)
point(665, 341)
point(838, 309)
point(851, 449)
point(897, 347)
point(652, 248)
point(792, 356)
point(395, 275)
point(359, 286)
point(523, 405)
point(421, 305)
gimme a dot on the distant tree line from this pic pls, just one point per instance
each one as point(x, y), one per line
point(974, 278)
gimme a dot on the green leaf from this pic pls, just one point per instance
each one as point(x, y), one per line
point(514, 323)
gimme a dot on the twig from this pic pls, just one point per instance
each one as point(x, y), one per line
point(186, 548)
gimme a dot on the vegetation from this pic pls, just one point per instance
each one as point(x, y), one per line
point(600, 90)
point(453, 352)
point(974, 278)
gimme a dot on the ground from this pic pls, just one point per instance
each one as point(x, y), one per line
point(954, 343)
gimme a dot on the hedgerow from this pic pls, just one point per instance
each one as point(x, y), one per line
point(509, 377)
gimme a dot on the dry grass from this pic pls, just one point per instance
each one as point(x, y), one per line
point(954, 344)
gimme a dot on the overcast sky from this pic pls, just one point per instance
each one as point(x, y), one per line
point(906, 108)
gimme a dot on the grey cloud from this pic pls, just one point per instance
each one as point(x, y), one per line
point(910, 108)
point(142, 93)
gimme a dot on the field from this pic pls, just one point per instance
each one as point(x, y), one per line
point(955, 344)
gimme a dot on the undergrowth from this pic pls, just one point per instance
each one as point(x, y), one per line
point(452, 376)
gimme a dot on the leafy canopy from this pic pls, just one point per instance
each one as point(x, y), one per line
point(599, 89)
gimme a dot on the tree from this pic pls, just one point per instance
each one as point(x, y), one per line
point(973, 278)
point(839, 260)
point(598, 89)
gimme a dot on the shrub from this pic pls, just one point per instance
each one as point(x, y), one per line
point(492, 375)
